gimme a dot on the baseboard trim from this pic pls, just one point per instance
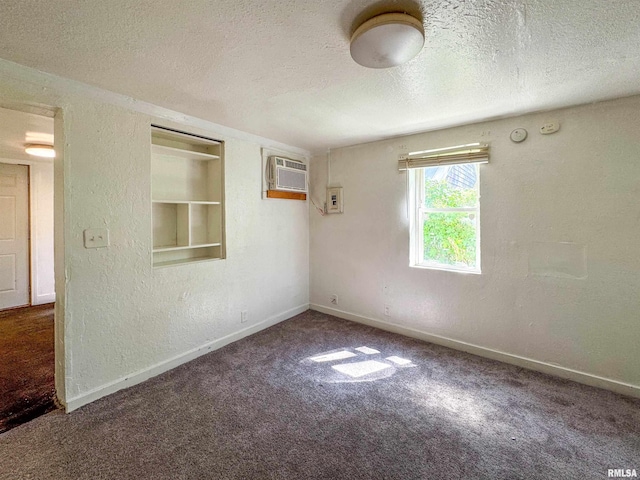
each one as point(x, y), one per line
point(44, 298)
point(166, 365)
point(524, 362)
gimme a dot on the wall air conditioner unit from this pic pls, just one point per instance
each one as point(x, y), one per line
point(287, 175)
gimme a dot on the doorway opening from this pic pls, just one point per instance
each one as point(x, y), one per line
point(27, 282)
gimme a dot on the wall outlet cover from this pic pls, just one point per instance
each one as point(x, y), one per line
point(96, 238)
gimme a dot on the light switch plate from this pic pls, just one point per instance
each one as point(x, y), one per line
point(96, 238)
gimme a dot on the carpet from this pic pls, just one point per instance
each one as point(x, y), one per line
point(304, 400)
point(26, 365)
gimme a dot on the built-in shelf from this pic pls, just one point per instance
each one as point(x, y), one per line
point(170, 248)
point(187, 188)
point(184, 154)
point(169, 263)
point(198, 245)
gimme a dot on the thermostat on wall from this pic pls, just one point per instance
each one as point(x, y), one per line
point(334, 200)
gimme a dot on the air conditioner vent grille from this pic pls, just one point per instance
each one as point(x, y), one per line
point(292, 180)
point(297, 165)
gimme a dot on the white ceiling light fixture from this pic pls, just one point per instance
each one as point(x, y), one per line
point(387, 40)
point(40, 150)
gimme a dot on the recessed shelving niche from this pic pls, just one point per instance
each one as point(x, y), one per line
point(187, 191)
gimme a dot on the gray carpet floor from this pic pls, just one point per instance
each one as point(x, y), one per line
point(299, 401)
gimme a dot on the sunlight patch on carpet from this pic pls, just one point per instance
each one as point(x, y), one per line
point(367, 350)
point(353, 364)
point(330, 357)
point(399, 361)
point(360, 369)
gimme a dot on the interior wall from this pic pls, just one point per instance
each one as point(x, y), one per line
point(121, 320)
point(542, 201)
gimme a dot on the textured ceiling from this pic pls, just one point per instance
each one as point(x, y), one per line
point(282, 70)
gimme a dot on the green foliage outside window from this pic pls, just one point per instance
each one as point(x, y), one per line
point(449, 237)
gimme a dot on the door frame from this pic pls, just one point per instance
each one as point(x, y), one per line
point(59, 222)
point(59, 257)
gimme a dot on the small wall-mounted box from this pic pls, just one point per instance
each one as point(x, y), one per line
point(549, 128)
point(334, 200)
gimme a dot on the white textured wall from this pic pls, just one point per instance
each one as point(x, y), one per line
point(119, 320)
point(580, 185)
point(124, 316)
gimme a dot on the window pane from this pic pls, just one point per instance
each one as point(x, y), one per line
point(450, 238)
point(451, 186)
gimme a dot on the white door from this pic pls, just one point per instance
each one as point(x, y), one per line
point(14, 235)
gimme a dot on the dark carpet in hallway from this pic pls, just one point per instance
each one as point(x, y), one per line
point(269, 407)
point(26, 364)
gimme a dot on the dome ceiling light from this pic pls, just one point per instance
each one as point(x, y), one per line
point(39, 150)
point(387, 40)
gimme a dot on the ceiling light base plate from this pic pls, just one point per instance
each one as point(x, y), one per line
point(387, 40)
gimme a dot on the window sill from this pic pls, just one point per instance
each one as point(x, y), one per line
point(446, 268)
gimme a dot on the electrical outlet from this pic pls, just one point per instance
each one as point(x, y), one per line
point(243, 316)
point(96, 238)
point(333, 299)
point(387, 309)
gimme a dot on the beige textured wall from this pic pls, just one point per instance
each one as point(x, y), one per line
point(580, 185)
point(120, 321)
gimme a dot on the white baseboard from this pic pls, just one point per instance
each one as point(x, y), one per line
point(529, 363)
point(44, 298)
point(166, 365)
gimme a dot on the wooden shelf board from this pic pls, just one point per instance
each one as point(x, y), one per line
point(172, 248)
point(172, 134)
point(169, 248)
point(170, 263)
point(181, 153)
point(286, 195)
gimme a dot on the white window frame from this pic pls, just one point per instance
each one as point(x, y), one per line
point(417, 213)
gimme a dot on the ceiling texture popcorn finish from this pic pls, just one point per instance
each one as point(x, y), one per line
point(283, 70)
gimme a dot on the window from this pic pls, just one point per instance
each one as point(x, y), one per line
point(447, 233)
point(444, 191)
